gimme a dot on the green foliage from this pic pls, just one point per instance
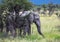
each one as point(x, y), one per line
point(2, 8)
point(44, 7)
point(22, 3)
point(48, 27)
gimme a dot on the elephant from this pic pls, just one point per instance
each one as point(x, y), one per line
point(32, 17)
point(35, 19)
point(10, 24)
point(22, 24)
point(23, 21)
point(13, 21)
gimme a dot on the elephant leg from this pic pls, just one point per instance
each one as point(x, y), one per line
point(24, 31)
point(15, 31)
point(7, 30)
point(1, 29)
point(20, 31)
point(12, 30)
point(29, 29)
point(37, 22)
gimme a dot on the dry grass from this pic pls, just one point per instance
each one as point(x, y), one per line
point(50, 27)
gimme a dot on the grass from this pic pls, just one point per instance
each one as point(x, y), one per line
point(50, 27)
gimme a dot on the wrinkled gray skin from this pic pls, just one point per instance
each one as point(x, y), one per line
point(13, 21)
point(23, 22)
point(10, 24)
point(1, 24)
point(32, 17)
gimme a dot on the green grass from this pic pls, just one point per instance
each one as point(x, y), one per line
point(50, 27)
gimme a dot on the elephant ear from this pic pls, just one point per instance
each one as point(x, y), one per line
point(25, 14)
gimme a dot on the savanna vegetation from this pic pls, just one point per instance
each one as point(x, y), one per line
point(50, 26)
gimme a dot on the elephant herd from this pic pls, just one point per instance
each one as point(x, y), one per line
point(21, 20)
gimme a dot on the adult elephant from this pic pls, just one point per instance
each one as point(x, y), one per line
point(21, 23)
point(32, 17)
point(10, 24)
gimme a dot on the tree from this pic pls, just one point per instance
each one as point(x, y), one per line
point(44, 6)
point(51, 8)
point(21, 3)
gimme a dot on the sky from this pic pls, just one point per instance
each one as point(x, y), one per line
point(39, 2)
